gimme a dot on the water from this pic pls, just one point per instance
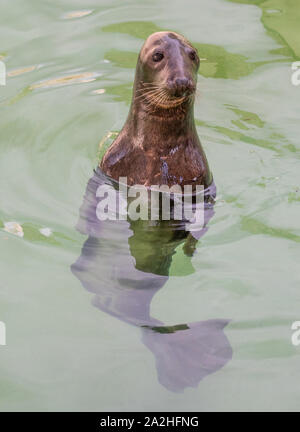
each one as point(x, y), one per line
point(70, 71)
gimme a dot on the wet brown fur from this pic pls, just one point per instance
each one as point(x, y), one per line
point(159, 143)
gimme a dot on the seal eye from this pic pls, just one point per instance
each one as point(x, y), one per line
point(192, 55)
point(157, 57)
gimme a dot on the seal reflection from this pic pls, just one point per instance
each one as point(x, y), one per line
point(124, 263)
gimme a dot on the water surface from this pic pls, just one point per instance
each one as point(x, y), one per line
point(70, 72)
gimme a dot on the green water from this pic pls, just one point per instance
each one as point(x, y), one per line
point(69, 79)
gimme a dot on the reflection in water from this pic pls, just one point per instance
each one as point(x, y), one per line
point(124, 263)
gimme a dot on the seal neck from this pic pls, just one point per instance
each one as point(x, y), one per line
point(149, 126)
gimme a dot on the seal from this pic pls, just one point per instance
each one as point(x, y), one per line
point(158, 144)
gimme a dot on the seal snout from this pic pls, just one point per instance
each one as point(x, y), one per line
point(180, 86)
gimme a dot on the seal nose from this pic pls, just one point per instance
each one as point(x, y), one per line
point(180, 86)
point(181, 83)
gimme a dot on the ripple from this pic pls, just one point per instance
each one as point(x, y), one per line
point(77, 14)
point(66, 80)
point(21, 71)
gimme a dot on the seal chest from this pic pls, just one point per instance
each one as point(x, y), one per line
point(159, 143)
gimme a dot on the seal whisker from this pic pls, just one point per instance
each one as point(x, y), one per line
point(144, 95)
point(149, 86)
point(152, 94)
point(157, 99)
point(145, 90)
point(143, 83)
point(149, 94)
point(161, 100)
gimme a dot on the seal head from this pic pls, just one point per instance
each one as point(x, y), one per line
point(166, 74)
